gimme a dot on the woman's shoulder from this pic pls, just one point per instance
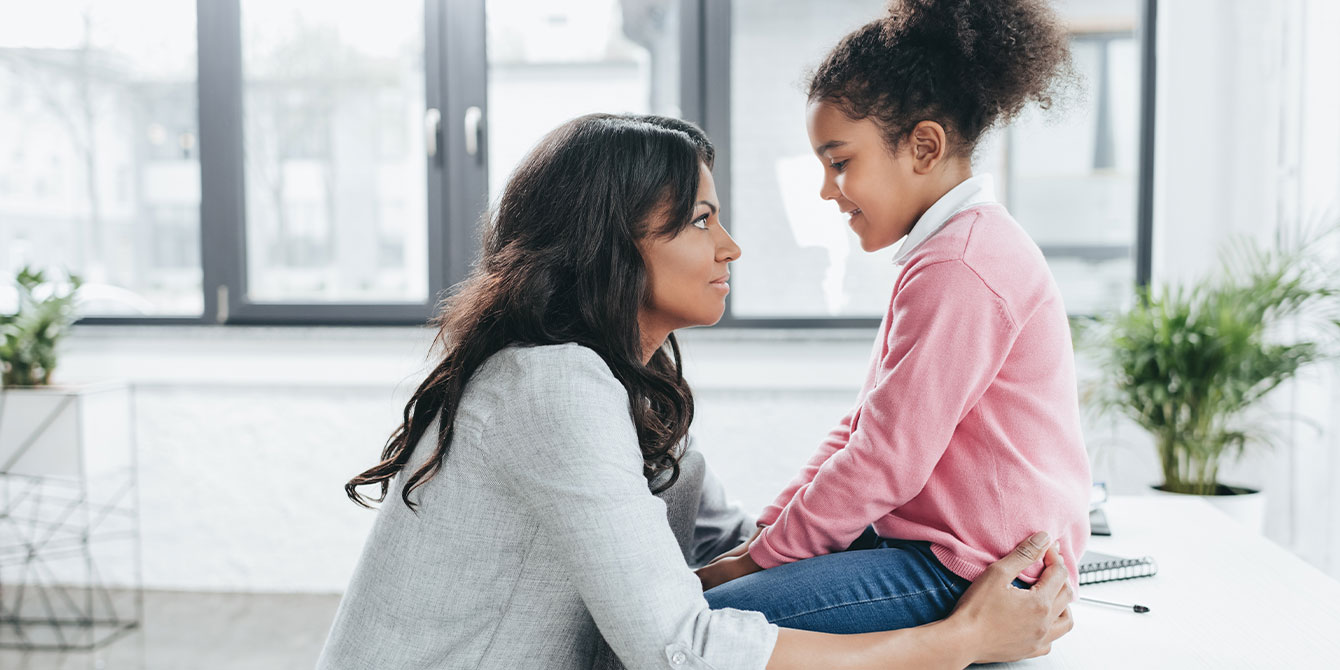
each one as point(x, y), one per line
point(531, 365)
point(548, 378)
point(529, 403)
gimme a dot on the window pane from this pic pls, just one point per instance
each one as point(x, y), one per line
point(551, 61)
point(799, 258)
point(1072, 175)
point(99, 172)
point(336, 183)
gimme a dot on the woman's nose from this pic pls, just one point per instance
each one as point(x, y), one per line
point(727, 249)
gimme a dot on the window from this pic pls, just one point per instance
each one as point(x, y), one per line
point(99, 158)
point(549, 62)
point(336, 202)
point(258, 161)
point(799, 258)
point(1072, 178)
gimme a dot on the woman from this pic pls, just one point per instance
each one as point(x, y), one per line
point(526, 527)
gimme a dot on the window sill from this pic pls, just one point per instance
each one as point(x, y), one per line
point(381, 357)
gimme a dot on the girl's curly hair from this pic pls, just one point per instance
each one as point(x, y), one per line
point(965, 64)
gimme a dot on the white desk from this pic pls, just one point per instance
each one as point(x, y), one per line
point(1223, 598)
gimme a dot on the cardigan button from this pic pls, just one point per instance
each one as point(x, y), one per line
point(678, 658)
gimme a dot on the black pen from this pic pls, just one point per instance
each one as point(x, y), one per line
point(1138, 609)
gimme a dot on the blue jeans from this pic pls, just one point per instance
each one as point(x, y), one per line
point(876, 584)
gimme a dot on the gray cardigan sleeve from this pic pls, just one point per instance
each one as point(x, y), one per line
point(567, 447)
point(722, 523)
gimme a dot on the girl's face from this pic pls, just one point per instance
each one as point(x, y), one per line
point(879, 190)
point(687, 273)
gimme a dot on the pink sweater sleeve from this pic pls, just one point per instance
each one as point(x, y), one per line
point(949, 335)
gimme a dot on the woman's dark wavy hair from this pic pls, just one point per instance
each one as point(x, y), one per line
point(561, 264)
point(965, 64)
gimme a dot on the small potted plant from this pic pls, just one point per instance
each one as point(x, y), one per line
point(1192, 364)
point(37, 418)
point(28, 338)
point(67, 463)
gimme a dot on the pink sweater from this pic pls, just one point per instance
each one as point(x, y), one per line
point(966, 432)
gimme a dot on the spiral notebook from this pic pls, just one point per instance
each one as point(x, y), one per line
point(1095, 567)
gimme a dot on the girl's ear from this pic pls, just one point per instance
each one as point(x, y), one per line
point(928, 143)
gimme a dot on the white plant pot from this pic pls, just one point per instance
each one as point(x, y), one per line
point(69, 517)
point(1246, 506)
point(78, 431)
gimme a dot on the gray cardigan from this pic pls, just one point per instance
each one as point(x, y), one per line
point(538, 536)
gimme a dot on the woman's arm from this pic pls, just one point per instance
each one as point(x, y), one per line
point(721, 524)
point(562, 440)
point(994, 622)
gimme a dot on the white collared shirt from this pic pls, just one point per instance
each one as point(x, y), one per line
point(973, 191)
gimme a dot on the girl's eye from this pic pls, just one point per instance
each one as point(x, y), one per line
point(837, 165)
point(700, 222)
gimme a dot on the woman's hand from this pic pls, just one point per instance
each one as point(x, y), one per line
point(726, 568)
point(1006, 623)
point(740, 549)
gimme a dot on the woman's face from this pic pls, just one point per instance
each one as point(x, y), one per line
point(876, 188)
point(687, 273)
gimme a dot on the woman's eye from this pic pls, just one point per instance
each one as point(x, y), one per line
point(700, 222)
point(837, 165)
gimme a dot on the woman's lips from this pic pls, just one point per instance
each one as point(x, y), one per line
point(720, 283)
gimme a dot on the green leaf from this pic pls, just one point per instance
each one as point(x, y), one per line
point(28, 348)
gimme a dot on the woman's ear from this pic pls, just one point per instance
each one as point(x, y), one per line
point(928, 143)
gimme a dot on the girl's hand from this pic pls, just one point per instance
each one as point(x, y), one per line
point(1006, 623)
point(742, 548)
point(724, 569)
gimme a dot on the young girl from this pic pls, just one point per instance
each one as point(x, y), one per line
point(966, 431)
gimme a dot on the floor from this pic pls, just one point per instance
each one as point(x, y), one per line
point(204, 631)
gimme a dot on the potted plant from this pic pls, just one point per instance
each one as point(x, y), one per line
point(1192, 364)
point(28, 338)
point(67, 469)
point(38, 421)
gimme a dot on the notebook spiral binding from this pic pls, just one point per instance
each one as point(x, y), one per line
point(1117, 569)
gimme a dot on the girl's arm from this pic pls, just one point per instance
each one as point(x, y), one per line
point(949, 336)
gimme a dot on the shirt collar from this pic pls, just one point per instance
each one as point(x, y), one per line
point(973, 191)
